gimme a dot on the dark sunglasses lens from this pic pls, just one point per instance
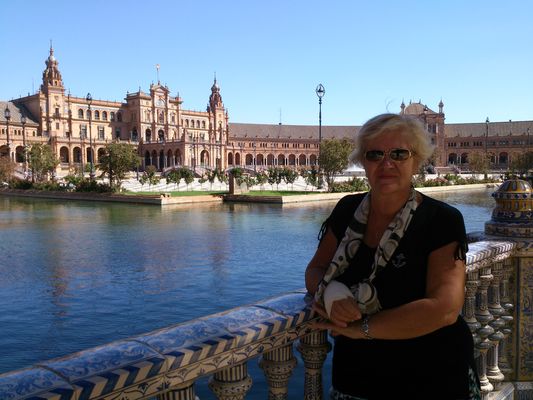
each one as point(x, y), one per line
point(399, 154)
point(374, 155)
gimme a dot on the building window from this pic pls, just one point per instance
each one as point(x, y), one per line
point(117, 133)
point(57, 125)
point(83, 131)
point(203, 124)
point(119, 117)
point(101, 134)
point(104, 115)
point(97, 114)
point(111, 116)
point(80, 113)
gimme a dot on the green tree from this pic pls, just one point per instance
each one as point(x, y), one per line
point(187, 175)
point(174, 176)
point(7, 168)
point(261, 178)
point(522, 164)
point(116, 161)
point(150, 176)
point(274, 176)
point(333, 157)
point(479, 163)
point(289, 176)
point(310, 176)
point(41, 161)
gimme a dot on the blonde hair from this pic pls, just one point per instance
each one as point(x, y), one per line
point(408, 126)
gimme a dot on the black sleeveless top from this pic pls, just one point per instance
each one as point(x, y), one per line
point(433, 366)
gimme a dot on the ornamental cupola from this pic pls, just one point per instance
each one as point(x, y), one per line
point(513, 215)
point(51, 75)
point(215, 100)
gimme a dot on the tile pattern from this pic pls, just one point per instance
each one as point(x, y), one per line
point(146, 364)
point(482, 254)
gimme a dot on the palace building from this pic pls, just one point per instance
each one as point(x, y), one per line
point(167, 136)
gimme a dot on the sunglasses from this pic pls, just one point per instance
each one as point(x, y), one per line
point(394, 154)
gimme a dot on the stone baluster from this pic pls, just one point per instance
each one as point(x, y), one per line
point(184, 391)
point(493, 371)
point(469, 306)
point(314, 349)
point(231, 383)
point(484, 317)
point(506, 344)
point(278, 365)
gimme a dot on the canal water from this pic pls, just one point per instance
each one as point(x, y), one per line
point(74, 275)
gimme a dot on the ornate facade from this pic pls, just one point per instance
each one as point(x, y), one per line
point(168, 136)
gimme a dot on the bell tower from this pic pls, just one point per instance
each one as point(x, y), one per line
point(54, 110)
point(51, 76)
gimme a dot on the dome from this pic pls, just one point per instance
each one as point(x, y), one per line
point(417, 109)
point(513, 214)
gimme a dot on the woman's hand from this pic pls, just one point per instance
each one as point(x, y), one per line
point(344, 311)
point(349, 329)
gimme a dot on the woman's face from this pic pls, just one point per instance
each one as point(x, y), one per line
point(388, 176)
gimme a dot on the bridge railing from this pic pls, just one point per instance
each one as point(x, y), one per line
point(165, 364)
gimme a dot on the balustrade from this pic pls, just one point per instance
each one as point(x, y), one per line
point(165, 364)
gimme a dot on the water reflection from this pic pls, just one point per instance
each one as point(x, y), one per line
point(80, 274)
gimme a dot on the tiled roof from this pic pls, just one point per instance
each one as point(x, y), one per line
point(17, 111)
point(479, 129)
point(290, 131)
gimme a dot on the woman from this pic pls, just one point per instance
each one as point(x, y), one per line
point(388, 277)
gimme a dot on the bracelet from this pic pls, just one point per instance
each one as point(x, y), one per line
point(365, 327)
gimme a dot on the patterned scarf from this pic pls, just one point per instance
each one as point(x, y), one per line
point(365, 292)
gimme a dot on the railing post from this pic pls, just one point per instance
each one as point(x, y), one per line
point(484, 317)
point(231, 383)
point(278, 365)
point(505, 357)
point(184, 391)
point(469, 306)
point(493, 371)
point(314, 349)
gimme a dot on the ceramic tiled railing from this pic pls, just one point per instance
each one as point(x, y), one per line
point(165, 364)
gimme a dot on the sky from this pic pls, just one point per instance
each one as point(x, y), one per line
point(269, 56)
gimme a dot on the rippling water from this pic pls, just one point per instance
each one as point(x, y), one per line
point(75, 275)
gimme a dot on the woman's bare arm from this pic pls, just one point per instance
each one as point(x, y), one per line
point(441, 306)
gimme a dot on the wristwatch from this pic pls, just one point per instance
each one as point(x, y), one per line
point(365, 327)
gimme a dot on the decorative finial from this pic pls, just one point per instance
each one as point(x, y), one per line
point(157, 67)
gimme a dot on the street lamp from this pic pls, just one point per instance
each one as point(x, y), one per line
point(320, 92)
point(486, 144)
point(255, 156)
point(7, 115)
point(25, 154)
point(89, 99)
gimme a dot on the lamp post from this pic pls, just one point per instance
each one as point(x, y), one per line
point(89, 99)
point(320, 92)
point(25, 149)
point(255, 157)
point(7, 115)
point(486, 145)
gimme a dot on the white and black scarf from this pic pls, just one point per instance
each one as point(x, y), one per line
point(364, 292)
